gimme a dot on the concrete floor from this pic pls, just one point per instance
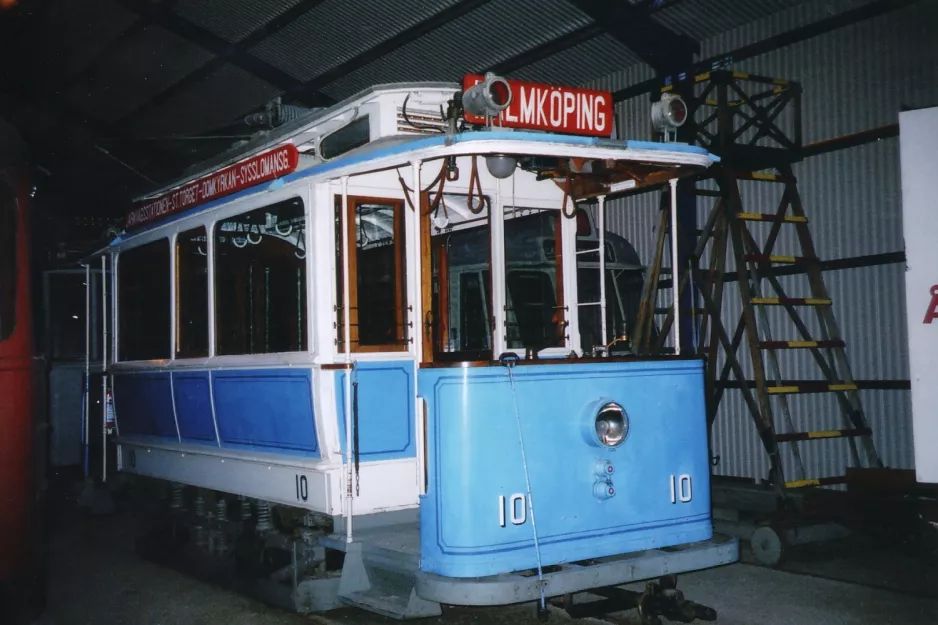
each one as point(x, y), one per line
point(96, 577)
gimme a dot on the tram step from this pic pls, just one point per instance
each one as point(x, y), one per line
point(392, 605)
point(771, 217)
point(790, 301)
point(381, 603)
point(800, 344)
point(804, 436)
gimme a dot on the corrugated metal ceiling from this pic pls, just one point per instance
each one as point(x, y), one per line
point(494, 32)
point(119, 58)
point(338, 30)
point(702, 19)
point(72, 35)
point(581, 63)
point(208, 104)
point(231, 19)
point(121, 67)
point(139, 68)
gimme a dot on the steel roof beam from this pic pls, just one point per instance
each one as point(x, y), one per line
point(218, 46)
point(538, 53)
point(657, 45)
point(564, 42)
point(826, 25)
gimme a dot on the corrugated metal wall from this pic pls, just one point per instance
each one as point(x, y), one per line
point(854, 78)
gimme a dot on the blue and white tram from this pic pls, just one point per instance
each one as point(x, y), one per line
point(403, 343)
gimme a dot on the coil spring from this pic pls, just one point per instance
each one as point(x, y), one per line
point(221, 536)
point(201, 536)
point(200, 506)
point(245, 509)
point(263, 517)
point(176, 503)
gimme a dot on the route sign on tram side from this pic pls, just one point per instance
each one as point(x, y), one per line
point(257, 169)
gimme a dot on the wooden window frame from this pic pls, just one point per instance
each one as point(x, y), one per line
point(402, 344)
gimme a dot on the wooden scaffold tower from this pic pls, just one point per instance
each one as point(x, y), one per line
point(753, 123)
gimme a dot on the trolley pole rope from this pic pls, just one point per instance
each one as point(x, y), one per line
point(509, 363)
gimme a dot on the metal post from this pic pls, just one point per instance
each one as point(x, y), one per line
point(674, 268)
point(103, 368)
point(210, 262)
point(601, 216)
point(347, 335)
point(417, 307)
point(87, 391)
point(686, 243)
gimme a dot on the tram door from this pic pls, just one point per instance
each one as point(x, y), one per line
point(380, 336)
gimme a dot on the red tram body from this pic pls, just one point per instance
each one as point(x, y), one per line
point(19, 506)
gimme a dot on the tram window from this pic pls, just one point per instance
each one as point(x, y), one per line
point(377, 298)
point(7, 261)
point(474, 288)
point(623, 296)
point(191, 294)
point(260, 281)
point(535, 315)
point(589, 315)
point(143, 299)
point(462, 294)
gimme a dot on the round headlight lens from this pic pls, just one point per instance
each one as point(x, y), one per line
point(612, 425)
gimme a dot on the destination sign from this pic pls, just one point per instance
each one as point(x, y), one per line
point(562, 109)
point(255, 170)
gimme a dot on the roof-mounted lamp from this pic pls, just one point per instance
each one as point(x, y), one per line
point(668, 114)
point(487, 98)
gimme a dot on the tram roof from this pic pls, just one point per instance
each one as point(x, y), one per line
point(390, 150)
point(292, 130)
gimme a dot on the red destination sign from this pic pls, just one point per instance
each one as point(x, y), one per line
point(538, 106)
point(255, 170)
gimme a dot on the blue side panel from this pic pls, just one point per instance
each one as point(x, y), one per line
point(267, 410)
point(192, 393)
point(385, 409)
point(143, 404)
point(474, 520)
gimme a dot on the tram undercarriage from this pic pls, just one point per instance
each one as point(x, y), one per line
point(299, 561)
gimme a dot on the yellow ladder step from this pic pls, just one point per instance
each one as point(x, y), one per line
point(792, 219)
point(816, 481)
point(807, 436)
point(800, 344)
point(810, 387)
point(765, 258)
point(790, 301)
